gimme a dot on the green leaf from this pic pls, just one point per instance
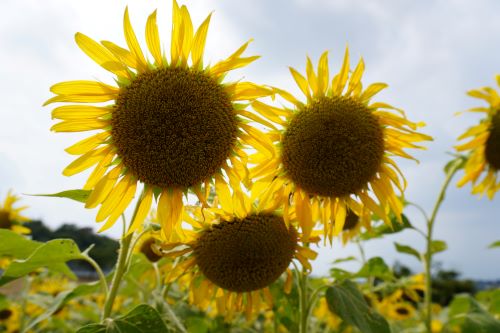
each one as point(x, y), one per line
point(494, 244)
point(54, 254)
point(466, 313)
point(77, 195)
point(438, 246)
point(375, 267)
point(337, 261)
point(459, 162)
point(142, 319)
point(348, 303)
point(16, 245)
point(401, 248)
point(197, 325)
point(384, 229)
point(56, 305)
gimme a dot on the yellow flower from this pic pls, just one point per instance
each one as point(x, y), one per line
point(400, 311)
point(10, 319)
point(234, 253)
point(324, 315)
point(334, 153)
point(172, 124)
point(10, 217)
point(483, 145)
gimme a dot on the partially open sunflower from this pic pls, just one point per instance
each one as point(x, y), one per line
point(232, 255)
point(334, 152)
point(11, 216)
point(483, 145)
point(170, 122)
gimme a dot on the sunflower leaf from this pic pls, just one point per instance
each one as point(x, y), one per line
point(142, 319)
point(53, 255)
point(76, 195)
point(346, 301)
point(494, 244)
point(15, 245)
point(401, 248)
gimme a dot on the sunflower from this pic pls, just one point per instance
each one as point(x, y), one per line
point(10, 217)
point(334, 152)
point(484, 145)
point(234, 253)
point(172, 125)
point(10, 319)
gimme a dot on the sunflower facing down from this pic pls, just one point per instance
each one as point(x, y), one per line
point(483, 145)
point(10, 217)
point(171, 123)
point(334, 152)
point(233, 254)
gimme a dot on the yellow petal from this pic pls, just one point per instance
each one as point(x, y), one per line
point(301, 82)
point(187, 33)
point(87, 144)
point(80, 99)
point(153, 39)
point(80, 125)
point(340, 79)
point(132, 42)
point(176, 26)
point(199, 42)
point(323, 73)
point(122, 205)
point(69, 112)
point(99, 170)
point(101, 55)
point(311, 77)
point(102, 188)
point(124, 55)
point(86, 161)
point(142, 211)
point(356, 77)
point(113, 199)
point(82, 87)
point(372, 90)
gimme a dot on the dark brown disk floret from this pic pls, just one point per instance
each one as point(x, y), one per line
point(247, 254)
point(333, 147)
point(5, 222)
point(174, 127)
point(351, 220)
point(492, 149)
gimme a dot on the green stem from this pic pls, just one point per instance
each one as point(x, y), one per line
point(428, 255)
point(303, 306)
point(117, 277)
point(121, 263)
point(99, 271)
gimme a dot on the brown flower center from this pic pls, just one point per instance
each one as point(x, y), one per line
point(5, 314)
point(492, 150)
point(247, 254)
point(5, 222)
point(351, 220)
point(174, 127)
point(147, 249)
point(333, 147)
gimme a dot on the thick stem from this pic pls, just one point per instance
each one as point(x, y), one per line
point(428, 255)
point(117, 277)
point(303, 302)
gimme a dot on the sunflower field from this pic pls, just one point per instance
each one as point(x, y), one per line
point(227, 189)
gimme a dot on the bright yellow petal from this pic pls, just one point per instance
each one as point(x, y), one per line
point(311, 77)
point(82, 87)
point(88, 144)
point(356, 77)
point(199, 42)
point(340, 79)
point(101, 55)
point(113, 199)
point(132, 42)
point(301, 82)
point(69, 112)
point(143, 210)
point(103, 188)
point(323, 73)
point(80, 125)
point(86, 161)
point(122, 205)
point(153, 39)
point(372, 90)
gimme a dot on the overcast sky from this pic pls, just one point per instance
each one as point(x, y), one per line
point(429, 52)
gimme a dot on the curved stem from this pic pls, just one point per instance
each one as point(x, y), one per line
point(428, 255)
point(99, 271)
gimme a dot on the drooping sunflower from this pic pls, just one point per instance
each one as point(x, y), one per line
point(483, 145)
point(11, 217)
point(232, 254)
point(170, 124)
point(334, 152)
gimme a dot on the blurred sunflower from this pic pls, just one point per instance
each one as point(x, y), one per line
point(484, 145)
point(234, 253)
point(336, 149)
point(10, 319)
point(10, 217)
point(172, 125)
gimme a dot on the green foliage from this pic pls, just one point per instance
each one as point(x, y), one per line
point(53, 255)
point(401, 248)
point(104, 251)
point(76, 195)
point(466, 313)
point(494, 244)
point(375, 267)
point(438, 246)
point(347, 302)
point(15, 245)
point(142, 319)
point(384, 229)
